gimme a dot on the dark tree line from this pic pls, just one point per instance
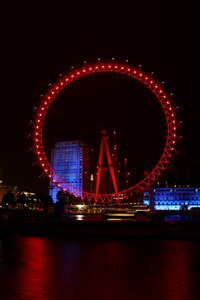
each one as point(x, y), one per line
point(22, 200)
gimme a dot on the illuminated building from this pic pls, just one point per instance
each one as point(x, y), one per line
point(17, 192)
point(4, 189)
point(70, 161)
point(172, 198)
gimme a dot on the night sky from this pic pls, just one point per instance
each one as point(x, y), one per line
point(41, 40)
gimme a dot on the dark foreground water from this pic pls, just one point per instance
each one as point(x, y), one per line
point(44, 268)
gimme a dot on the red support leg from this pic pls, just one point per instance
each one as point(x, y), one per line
point(104, 143)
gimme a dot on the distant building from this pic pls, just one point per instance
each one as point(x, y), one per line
point(4, 189)
point(16, 191)
point(71, 162)
point(172, 198)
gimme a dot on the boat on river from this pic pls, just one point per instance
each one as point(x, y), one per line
point(83, 209)
point(135, 211)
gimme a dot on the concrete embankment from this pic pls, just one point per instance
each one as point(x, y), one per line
point(100, 228)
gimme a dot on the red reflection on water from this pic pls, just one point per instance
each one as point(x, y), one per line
point(34, 275)
point(176, 278)
point(49, 269)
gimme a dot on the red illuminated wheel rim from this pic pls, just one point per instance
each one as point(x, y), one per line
point(86, 70)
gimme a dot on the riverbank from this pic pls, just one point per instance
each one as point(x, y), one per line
point(98, 227)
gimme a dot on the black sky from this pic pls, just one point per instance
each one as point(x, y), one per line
point(40, 40)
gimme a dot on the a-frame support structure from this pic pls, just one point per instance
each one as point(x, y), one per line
point(104, 145)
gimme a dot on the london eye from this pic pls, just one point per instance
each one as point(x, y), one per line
point(106, 67)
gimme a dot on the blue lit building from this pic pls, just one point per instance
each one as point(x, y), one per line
point(172, 198)
point(71, 162)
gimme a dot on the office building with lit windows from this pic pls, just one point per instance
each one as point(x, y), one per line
point(71, 162)
point(172, 198)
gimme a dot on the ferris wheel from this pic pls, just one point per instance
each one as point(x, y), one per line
point(106, 67)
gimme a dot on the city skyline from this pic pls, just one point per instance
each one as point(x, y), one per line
point(37, 47)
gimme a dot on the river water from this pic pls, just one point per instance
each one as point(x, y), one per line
point(48, 268)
